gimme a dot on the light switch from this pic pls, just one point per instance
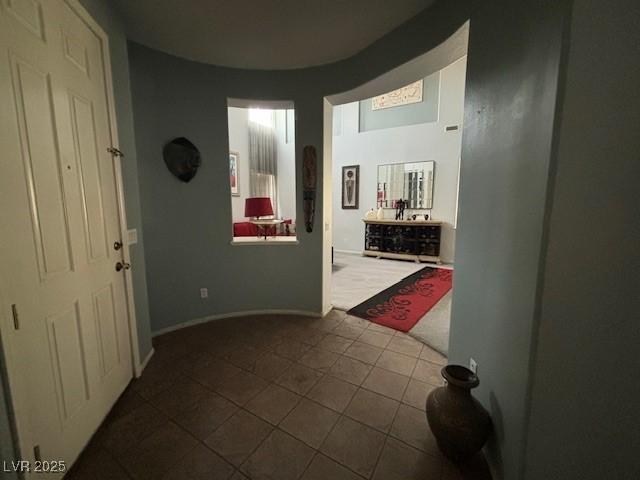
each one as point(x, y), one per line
point(132, 236)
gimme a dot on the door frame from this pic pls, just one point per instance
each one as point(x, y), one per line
point(15, 396)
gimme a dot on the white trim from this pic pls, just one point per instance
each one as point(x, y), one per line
point(255, 103)
point(82, 13)
point(350, 252)
point(327, 204)
point(221, 316)
point(145, 362)
point(270, 241)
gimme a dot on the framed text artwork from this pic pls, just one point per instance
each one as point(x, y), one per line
point(402, 96)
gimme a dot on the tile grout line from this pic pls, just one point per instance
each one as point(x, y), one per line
point(116, 458)
point(201, 442)
point(323, 374)
point(239, 468)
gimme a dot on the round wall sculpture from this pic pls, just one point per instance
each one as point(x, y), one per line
point(182, 158)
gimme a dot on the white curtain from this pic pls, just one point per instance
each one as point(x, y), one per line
point(263, 163)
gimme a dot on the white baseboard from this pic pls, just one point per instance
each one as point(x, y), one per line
point(144, 363)
point(210, 318)
point(350, 252)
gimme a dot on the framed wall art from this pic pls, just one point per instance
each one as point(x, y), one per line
point(402, 96)
point(350, 187)
point(234, 176)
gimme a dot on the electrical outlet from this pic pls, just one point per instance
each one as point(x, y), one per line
point(204, 293)
point(473, 366)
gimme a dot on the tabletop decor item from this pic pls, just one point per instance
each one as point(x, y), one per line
point(182, 158)
point(400, 205)
point(256, 207)
point(309, 180)
point(459, 422)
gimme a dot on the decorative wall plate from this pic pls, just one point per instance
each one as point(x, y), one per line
point(182, 158)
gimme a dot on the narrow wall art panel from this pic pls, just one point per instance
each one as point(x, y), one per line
point(350, 187)
point(309, 180)
point(234, 174)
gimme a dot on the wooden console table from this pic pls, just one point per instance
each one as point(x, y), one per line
point(403, 239)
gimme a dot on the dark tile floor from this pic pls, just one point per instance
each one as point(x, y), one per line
point(278, 397)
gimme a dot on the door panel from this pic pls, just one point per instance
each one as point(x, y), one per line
point(75, 52)
point(107, 329)
point(29, 14)
point(68, 362)
point(71, 357)
point(86, 147)
point(33, 99)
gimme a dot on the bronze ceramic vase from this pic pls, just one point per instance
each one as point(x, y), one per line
point(460, 424)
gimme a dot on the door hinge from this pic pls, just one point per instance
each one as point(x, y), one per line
point(115, 152)
point(16, 320)
point(36, 453)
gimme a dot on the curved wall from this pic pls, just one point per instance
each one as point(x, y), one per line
point(510, 101)
point(512, 80)
point(187, 227)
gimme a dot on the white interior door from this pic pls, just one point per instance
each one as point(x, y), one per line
point(70, 357)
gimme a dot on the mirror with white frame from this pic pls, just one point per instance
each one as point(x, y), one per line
point(412, 182)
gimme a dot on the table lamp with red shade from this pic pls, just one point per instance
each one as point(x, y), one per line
point(256, 207)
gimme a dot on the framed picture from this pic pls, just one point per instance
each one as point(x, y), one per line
point(350, 186)
point(234, 177)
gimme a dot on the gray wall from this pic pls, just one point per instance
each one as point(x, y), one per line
point(585, 422)
point(187, 231)
point(187, 225)
point(103, 13)
point(512, 74)
point(412, 114)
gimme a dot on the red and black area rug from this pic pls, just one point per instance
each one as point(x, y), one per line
point(403, 304)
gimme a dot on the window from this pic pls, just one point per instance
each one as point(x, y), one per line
point(262, 116)
point(262, 173)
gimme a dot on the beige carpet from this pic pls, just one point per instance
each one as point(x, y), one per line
point(357, 278)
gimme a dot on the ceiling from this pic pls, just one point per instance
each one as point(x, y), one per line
point(264, 34)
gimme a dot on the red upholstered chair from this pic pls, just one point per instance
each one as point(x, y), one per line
point(248, 229)
point(245, 229)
